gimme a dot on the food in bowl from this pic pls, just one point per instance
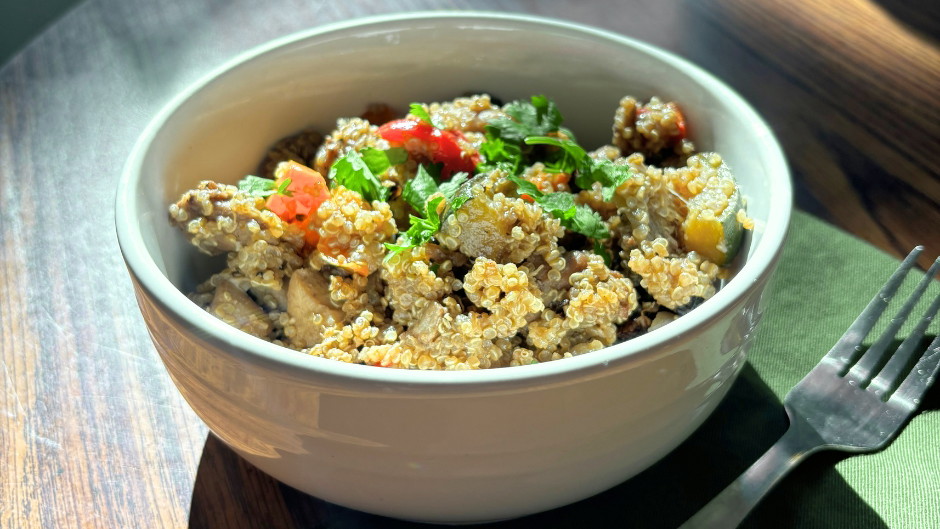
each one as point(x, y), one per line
point(442, 446)
point(468, 234)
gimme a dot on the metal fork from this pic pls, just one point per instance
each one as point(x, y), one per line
point(853, 400)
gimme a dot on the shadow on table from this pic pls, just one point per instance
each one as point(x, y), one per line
point(231, 493)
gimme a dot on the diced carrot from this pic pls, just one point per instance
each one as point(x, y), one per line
point(297, 204)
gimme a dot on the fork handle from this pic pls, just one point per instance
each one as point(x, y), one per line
point(733, 504)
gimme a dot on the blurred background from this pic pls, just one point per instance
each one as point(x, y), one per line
point(22, 20)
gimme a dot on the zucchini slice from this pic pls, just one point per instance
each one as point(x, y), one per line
point(712, 228)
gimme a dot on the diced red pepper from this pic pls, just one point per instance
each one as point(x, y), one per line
point(304, 194)
point(681, 122)
point(425, 141)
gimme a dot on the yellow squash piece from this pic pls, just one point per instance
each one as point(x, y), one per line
point(712, 227)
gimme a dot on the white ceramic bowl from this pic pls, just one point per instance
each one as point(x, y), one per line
point(442, 446)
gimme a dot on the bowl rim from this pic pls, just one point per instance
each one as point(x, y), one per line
point(294, 364)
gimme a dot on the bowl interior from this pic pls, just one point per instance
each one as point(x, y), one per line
point(222, 127)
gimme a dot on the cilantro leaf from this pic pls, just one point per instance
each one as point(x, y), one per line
point(421, 231)
point(417, 110)
point(602, 251)
point(450, 188)
point(282, 189)
point(525, 187)
point(587, 222)
point(257, 186)
point(560, 205)
point(378, 161)
point(578, 218)
point(352, 172)
point(536, 117)
point(396, 155)
point(573, 156)
point(607, 173)
point(497, 152)
point(570, 147)
point(418, 189)
point(425, 195)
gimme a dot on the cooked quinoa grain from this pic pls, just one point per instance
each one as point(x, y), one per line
point(445, 240)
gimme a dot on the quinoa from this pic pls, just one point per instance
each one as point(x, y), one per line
point(475, 272)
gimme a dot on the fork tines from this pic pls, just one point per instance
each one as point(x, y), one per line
point(890, 365)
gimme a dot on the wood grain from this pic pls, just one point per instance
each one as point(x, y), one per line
point(853, 95)
point(92, 432)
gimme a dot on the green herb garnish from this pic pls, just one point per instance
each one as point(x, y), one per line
point(570, 158)
point(425, 194)
point(575, 160)
point(499, 154)
point(536, 117)
point(378, 161)
point(353, 172)
point(505, 146)
point(417, 110)
point(605, 254)
point(451, 188)
point(282, 189)
point(257, 186)
point(421, 231)
point(578, 218)
point(419, 189)
point(425, 184)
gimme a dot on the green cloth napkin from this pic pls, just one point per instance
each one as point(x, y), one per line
point(825, 278)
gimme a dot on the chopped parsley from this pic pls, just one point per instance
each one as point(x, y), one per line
point(510, 140)
point(578, 218)
point(602, 251)
point(575, 160)
point(417, 110)
point(358, 171)
point(536, 117)
point(257, 186)
point(422, 229)
point(425, 194)
point(379, 161)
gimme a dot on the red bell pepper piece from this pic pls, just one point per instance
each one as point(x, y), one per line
point(425, 141)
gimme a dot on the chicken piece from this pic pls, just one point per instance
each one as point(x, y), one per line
point(218, 218)
point(498, 227)
point(425, 328)
point(237, 309)
point(310, 308)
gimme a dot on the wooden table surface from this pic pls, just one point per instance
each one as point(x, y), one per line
point(92, 432)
